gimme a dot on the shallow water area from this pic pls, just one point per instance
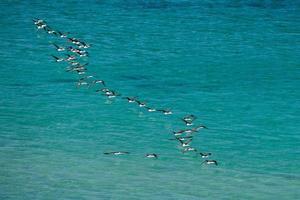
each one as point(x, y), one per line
point(233, 64)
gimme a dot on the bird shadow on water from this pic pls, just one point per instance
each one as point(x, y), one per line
point(62, 81)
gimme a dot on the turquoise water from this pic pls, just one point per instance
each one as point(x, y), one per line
point(234, 64)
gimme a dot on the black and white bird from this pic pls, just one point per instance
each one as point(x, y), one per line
point(57, 59)
point(38, 21)
point(98, 81)
point(165, 112)
point(70, 57)
point(188, 120)
point(62, 35)
point(151, 155)
point(186, 143)
point(188, 149)
point(150, 109)
point(182, 138)
point(176, 133)
point(141, 104)
point(49, 30)
point(58, 48)
point(130, 99)
point(210, 162)
point(116, 153)
point(205, 155)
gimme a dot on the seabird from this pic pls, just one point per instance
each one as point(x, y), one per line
point(74, 63)
point(130, 99)
point(69, 58)
point(62, 35)
point(188, 120)
point(105, 90)
point(188, 149)
point(83, 54)
point(85, 78)
point(181, 138)
point(81, 82)
point(150, 109)
point(40, 26)
point(196, 129)
point(49, 30)
point(76, 68)
point(38, 21)
point(74, 41)
point(151, 155)
point(58, 59)
point(188, 123)
point(205, 155)
point(80, 72)
point(165, 112)
point(82, 45)
point(109, 93)
point(117, 153)
point(58, 48)
point(199, 127)
point(141, 104)
point(99, 81)
point(210, 162)
point(78, 51)
point(185, 144)
point(184, 131)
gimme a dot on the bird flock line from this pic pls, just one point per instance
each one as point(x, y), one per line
point(76, 52)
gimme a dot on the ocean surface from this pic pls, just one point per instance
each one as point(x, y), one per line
point(234, 64)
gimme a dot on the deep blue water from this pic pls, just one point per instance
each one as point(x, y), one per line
point(234, 64)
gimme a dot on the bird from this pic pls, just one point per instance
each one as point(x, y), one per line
point(83, 54)
point(49, 30)
point(116, 153)
point(188, 123)
point(199, 127)
point(210, 162)
point(57, 59)
point(62, 35)
point(185, 144)
point(38, 21)
point(99, 81)
point(83, 45)
point(73, 63)
point(40, 26)
point(188, 149)
point(176, 133)
point(151, 155)
point(150, 109)
point(165, 112)
point(111, 94)
point(141, 104)
point(81, 82)
point(74, 41)
point(77, 67)
point(69, 58)
point(79, 72)
point(188, 120)
point(130, 99)
point(58, 48)
point(205, 155)
point(181, 138)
